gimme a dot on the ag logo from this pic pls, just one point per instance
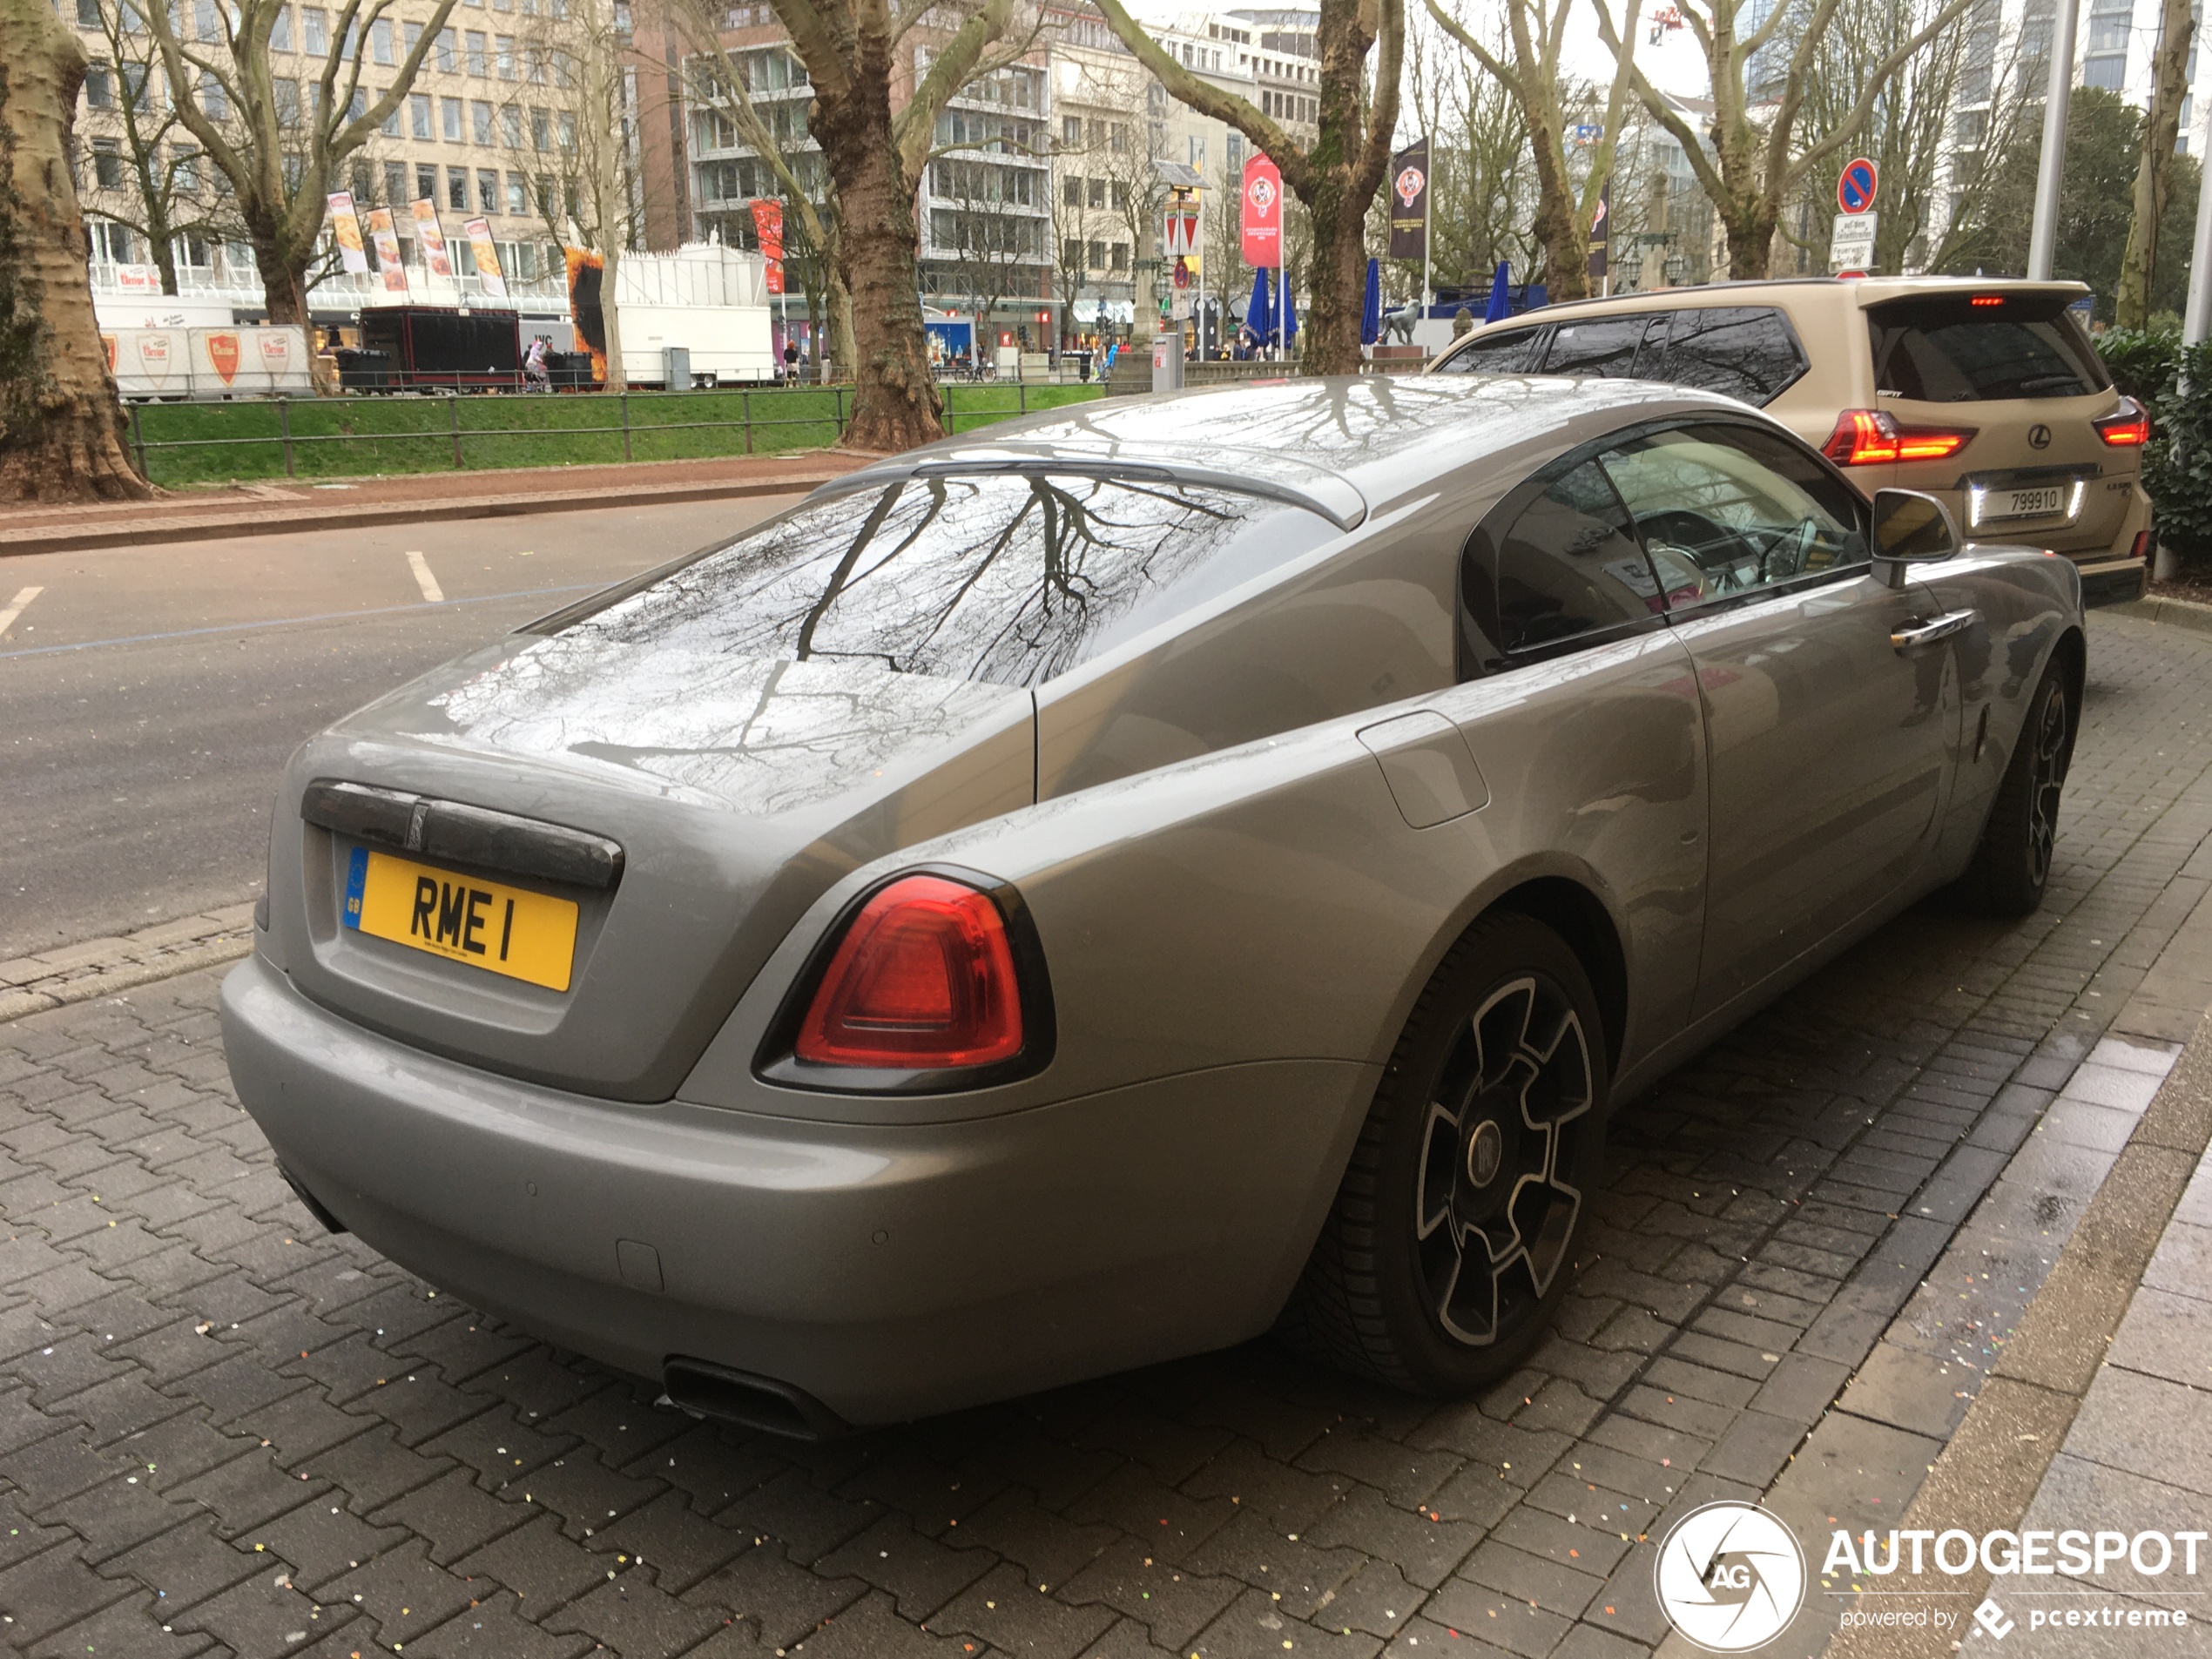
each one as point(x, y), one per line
point(1729, 1576)
point(2038, 437)
point(1411, 182)
point(1263, 195)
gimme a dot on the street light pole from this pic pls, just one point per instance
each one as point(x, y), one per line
point(2050, 174)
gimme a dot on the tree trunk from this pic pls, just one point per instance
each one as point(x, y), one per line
point(284, 282)
point(62, 425)
point(1559, 221)
point(1339, 284)
point(2154, 172)
point(895, 402)
point(610, 316)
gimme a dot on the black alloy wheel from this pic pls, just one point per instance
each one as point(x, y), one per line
point(2013, 861)
point(1453, 1234)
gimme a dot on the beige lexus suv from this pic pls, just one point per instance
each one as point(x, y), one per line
point(1986, 394)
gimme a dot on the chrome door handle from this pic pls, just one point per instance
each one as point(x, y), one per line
point(1914, 635)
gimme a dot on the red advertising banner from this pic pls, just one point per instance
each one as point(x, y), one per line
point(1263, 212)
point(768, 225)
point(432, 240)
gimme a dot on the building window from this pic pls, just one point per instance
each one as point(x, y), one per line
point(2108, 71)
point(394, 182)
point(1071, 192)
point(486, 191)
point(1071, 254)
point(107, 163)
point(1096, 258)
point(1097, 187)
point(446, 59)
point(88, 14)
point(1119, 261)
point(568, 129)
point(479, 58)
point(391, 128)
point(410, 36)
point(425, 183)
point(504, 47)
point(479, 121)
point(283, 97)
point(186, 164)
point(511, 126)
point(212, 98)
point(518, 201)
point(316, 24)
point(1233, 144)
point(99, 87)
point(418, 114)
point(457, 189)
point(450, 108)
point(1071, 129)
point(281, 30)
point(541, 130)
point(379, 41)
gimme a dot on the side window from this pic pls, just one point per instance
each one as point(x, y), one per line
point(1726, 511)
point(1604, 346)
point(1747, 352)
point(1500, 353)
point(1570, 566)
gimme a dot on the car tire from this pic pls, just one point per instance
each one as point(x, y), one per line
point(2013, 861)
point(1454, 1235)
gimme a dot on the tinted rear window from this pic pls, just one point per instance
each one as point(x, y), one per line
point(1950, 350)
point(1571, 566)
point(1008, 580)
point(1502, 353)
point(1748, 351)
point(1606, 346)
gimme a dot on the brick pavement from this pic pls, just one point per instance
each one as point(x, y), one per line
point(223, 1431)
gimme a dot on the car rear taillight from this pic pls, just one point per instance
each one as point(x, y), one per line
point(2125, 428)
point(924, 978)
point(1863, 437)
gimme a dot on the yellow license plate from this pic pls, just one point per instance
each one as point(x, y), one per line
point(462, 918)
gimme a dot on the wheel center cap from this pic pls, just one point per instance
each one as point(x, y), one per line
point(1486, 1150)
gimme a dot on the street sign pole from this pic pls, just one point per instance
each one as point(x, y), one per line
point(2197, 315)
point(2050, 173)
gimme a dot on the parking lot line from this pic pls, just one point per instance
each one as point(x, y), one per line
point(17, 606)
point(423, 579)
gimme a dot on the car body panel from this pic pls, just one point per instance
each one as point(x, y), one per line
point(1244, 836)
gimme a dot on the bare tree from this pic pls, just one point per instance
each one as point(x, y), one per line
point(61, 424)
point(993, 240)
point(2170, 65)
point(1756, 157)
point(141, 177)
point(1563, 216)
point(282, 152)
point(855, 50)
point(1337, 175)
point(810, 217)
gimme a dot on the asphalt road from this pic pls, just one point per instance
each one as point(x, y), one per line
point(148, 695)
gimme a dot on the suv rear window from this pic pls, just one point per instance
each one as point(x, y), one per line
point(1957, 348)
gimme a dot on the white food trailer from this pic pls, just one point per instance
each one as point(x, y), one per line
point(707, 301)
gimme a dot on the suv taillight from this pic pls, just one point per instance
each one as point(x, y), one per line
point(2125, 428)
point(1863, 437)
point(924, 978)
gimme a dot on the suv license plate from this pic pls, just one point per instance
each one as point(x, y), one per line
point(462, 918)
point(2045, 501)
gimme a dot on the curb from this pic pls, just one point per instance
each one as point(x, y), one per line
point(2177, 613)
point(213, 526)
point(100, 967)
point(1991, 1466)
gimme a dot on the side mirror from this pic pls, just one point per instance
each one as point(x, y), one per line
point(1911, 528)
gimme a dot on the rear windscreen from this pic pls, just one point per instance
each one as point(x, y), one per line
point(1967, 348)
point(1005, 579)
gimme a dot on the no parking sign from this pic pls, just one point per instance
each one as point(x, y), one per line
point(1855, 190)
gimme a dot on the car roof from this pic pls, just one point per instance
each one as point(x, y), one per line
point(1339, 446)
point(1863, 292)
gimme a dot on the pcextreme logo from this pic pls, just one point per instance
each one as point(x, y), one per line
point(1729, 1576)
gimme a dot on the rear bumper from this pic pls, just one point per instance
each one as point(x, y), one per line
point(885, 1272)
point(2113, 582)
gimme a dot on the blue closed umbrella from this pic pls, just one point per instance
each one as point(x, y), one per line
point(1290, 316)
point(1259, 308)
point(1370, 307)
point(1500, 306)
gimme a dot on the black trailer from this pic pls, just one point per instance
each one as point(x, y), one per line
point(437, 347)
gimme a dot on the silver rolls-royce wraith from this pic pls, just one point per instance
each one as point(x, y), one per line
point(1150, 874)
